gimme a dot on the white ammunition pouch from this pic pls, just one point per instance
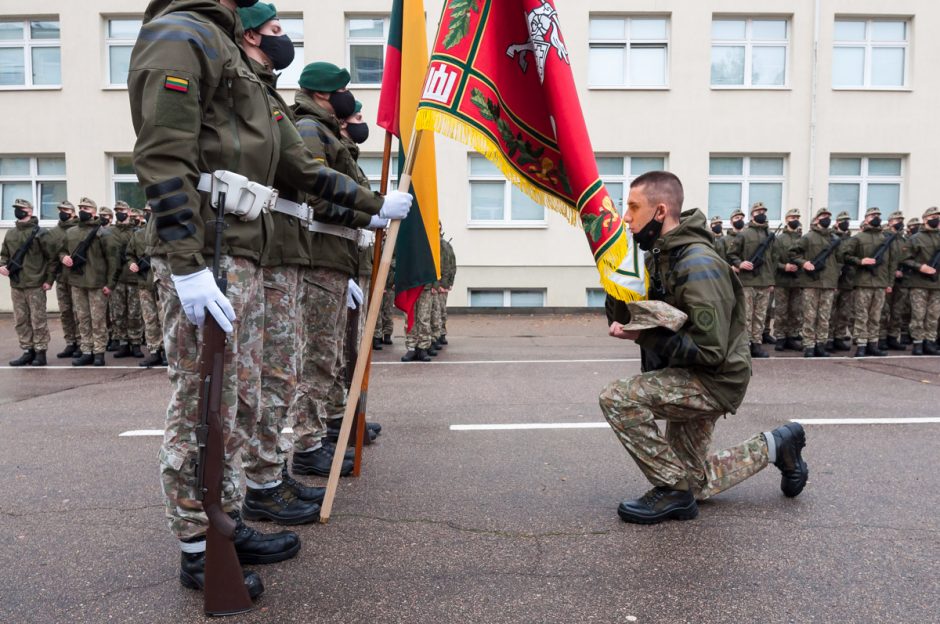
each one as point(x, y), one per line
point(243, 198)
point(366, 238)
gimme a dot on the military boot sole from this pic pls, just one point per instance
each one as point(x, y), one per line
point(256, 559)
point(308, 471)
point(262, 514)
point(790, 487)
point(688, 512)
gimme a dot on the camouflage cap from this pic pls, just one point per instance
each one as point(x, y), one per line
point(23, 203)
point(873, 211)
point(66, 205)
point(844, 216)
point(931, 212)
point(915, 220)
point(121, 205)
point(758, 206)
point(137, 212)
point(716, 220)
point(104, 211)
point(897, 214)
point(737, 213)
point(650, 314)
point(793, 212)
point(823, 211)
point(85, 201)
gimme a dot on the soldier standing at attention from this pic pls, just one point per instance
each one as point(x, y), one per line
point(124, 302)
point(199, 111)
point(691, 377)
point(818, 282)
point(418, 339)
point(873, 279)
point(63, 294)
point(139, 264)
point(386, 325)
point(843, 310)
point(897, 303)
point(788, 296)
point(718, 237)
point(925, 287)
point(448, 275)
point(757, 280)
point(34, 250)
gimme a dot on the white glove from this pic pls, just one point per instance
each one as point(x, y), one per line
point(377, 223)
point(396, 206)
point(353, 295)
point(198, 291)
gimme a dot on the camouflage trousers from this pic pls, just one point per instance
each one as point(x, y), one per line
point(153, 331)
point(266, 453)
point(896, 311)
point(91, 311)
point(365, 283)
point(817, 310)
point(320, 390)
point(788, 312)
point(444, 313)
point(437, 315)
point(756, 301)
point(126, 320)
point(632, 406)
point(241, 392)
point(843, 315)
point(420, 335)
point(925, 314)
point(29, 316)
point(386, 324)
point(67, 313)
point(868, 305)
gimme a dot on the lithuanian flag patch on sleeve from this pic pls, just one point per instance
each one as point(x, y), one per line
point(278, 115)
point(176, 84)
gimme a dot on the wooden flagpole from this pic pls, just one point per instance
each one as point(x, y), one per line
point(365, 344)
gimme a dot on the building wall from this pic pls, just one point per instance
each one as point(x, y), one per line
point(688, 121)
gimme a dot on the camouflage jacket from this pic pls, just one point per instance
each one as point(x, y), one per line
point(864, 245)
point(57, 237)
point(744, 246)
point(100, 266)
point(922, 248)
point(121, 235)
point(137, 251)
point(813, 243)
point(39, 262)
point(448, 264)
point(784, 242)
point(197, 107)
point(720, 241)
point(847, 272)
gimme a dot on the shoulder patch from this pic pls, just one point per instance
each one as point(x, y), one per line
point(176, 84)
point(278, 115)
point(704, 318)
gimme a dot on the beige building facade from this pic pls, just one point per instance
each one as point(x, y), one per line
point(796, 104)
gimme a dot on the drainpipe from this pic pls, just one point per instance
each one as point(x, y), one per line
point(812, 114)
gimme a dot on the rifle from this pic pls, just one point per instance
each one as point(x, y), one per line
point(225, 591)
point(935, 264)
point(143, 265)
point(78, 256)
point(881, 251)
point(820, 260)
point(15, 265)
point(758, 258)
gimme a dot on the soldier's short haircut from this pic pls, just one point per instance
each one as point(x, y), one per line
point(662, 187)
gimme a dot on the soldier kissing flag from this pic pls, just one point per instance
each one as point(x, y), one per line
point(500, 81)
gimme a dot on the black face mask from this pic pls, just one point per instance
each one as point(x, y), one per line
point(843, 225)
point(64, 216)
point(794, 225)
point(244, 4)
point(120, 216)
point(760, 219)
point(19, 213)
point(84, 216)
point(876, 222)
point(738, 225)
point(344, 104)
point(914, 229)
point(358, 132)
point(646, 237)
point(934, 223)
point(898, 226)
point(279, 49)
point(825, 222)
point(716, 228)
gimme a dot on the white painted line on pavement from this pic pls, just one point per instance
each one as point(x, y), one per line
point(519, 426)
point(867, 421)
point(149, 433)
point(604, 425)
point(505, 362)
point(97, 368)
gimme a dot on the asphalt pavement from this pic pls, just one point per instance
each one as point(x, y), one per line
point(493, 525)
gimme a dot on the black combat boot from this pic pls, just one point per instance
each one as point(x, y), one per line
point(113, 345)
point(660, 503)
point(387, 339)
point(841, 344)
point(767, 339)
point(809, 352)
point(68, 352)
point(830, 345)
point(875, 351)
point(27, 358)
point(279, 505)
point(931, 348)
point(153, 359)
point(781, 344)
point(301, 491)
point(193, 574)
point(906, 339)
point(881, 345)
point(40, 359)
point(258, 548)
point(376, 344)
point(330, 447)
point(99, 359)
point(318, 463)
point(432, 351)
point(861, 350)
point(85, 359)
point(438, 344)
point(794, 344)
point(757, 352)
point(332, 435)
point(123, 351)
point(918, 349)
point(136, 352)
point(163, 357)
point(820, 350)
point(790, 440)
point(416, 355)
point(894, 344)
point(443, 339)
point(375, 428)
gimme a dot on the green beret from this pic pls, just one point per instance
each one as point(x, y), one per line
point(323, 77)
point(256, 16)
point(358, 107)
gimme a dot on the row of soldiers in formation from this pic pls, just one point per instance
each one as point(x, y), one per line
point(818, 290)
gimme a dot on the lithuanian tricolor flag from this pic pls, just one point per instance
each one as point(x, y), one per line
point(418, 254)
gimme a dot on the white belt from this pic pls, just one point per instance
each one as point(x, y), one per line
point(305, 214)
point(334, 230)
point(205, 183)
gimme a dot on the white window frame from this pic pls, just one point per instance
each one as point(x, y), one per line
point(627, 44)
point(376, 180)
point(865, 179)
point(627, 177)
point(27, 44)
point(383, 42)
point(110, 42)
point(749, 43)
point(507, 296)
point(117, 178)
point(35, 180)
point(745, 179)
point(868, 45)
point(587, 298)
point(507, 222)
point(299, 47)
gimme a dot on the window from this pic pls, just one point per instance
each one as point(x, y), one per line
point(628, 52)
point(596, 298)
point(506, 298)
point(366, 38)
point(121, 36)
point(750, 53)
point(738, 182)
point(29, 54)
point(124, 182)
point(39, 179)
point(495, 202)
point(860, 182)
point(372, 167)
point(617, 172)
point(293, 27)
point(869, 54)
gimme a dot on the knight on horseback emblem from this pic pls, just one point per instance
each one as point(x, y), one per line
point(544, 34)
